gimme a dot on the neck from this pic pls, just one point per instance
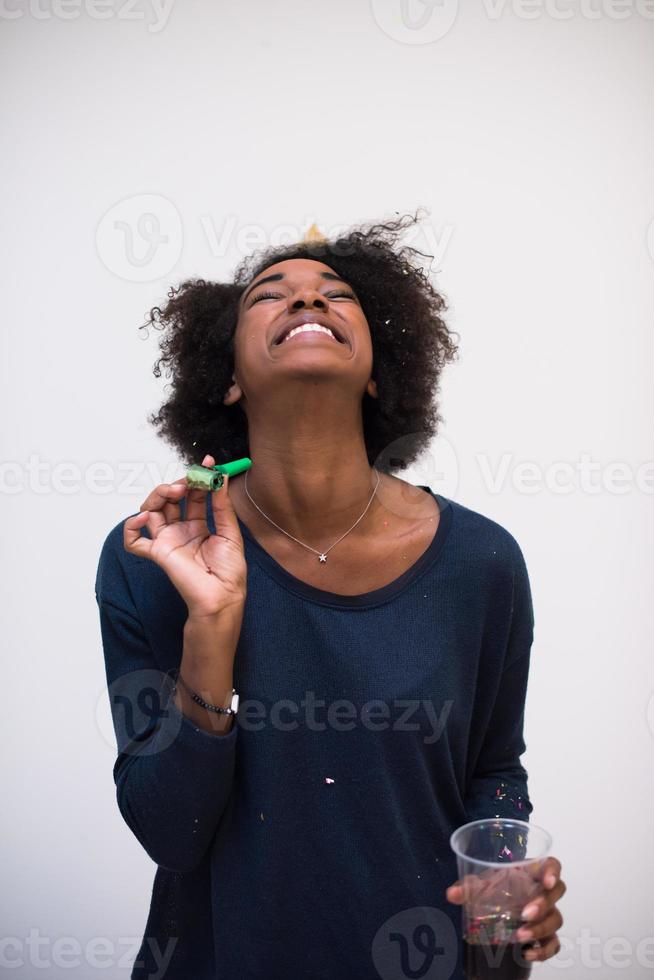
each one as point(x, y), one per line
point(310, 477)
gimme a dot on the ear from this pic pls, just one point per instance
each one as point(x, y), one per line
point(371, 388)
point(234, 392)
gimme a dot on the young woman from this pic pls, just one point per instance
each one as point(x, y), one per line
point(377, 634)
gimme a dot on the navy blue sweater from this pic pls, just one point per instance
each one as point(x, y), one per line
point(311, 841)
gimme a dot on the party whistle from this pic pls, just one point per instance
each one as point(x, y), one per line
point(211, 477)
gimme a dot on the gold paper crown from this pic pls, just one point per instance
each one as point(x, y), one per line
point(313, 234)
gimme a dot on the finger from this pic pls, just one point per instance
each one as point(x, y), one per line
point(546, 949)
point(133, 540)
point(155, 503)
point(539, 906)
point(467, 887)
point(454, 893)
point(196, 500)
point(551, 872)
point(224, 514)
point(172, 509)
point(539, 930)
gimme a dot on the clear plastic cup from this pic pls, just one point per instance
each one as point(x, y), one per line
point(500, 864)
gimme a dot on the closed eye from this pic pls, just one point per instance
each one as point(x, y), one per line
point(342, 294)
point(266, 296)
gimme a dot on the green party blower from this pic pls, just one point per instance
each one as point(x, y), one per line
point(211, 477)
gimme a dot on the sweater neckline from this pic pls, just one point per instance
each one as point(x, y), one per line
point(364, 599)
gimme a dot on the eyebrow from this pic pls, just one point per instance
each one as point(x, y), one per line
point(278, 276)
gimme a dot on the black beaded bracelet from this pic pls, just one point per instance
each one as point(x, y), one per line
point(176, 676)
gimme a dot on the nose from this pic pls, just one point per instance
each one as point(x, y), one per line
point(307, 297)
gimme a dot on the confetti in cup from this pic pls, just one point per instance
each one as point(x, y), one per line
point(500, 864)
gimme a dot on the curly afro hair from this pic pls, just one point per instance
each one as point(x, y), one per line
point(410, 342)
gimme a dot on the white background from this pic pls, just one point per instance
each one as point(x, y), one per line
point(527, 133)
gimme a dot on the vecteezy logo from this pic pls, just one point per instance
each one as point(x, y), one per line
point(140, 238)
point(418, 942)
point(129, 712)
point(415, 21)
point(436, 467)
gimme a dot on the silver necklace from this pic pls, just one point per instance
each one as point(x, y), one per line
point(322, 555)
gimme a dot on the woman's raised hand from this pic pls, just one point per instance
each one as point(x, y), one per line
point(208, 570)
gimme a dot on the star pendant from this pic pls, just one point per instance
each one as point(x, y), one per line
point(322, 558)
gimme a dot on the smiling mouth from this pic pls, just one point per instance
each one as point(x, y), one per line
point(308, 328)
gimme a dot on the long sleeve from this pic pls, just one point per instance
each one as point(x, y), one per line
point(499, 782)
point(173, 780)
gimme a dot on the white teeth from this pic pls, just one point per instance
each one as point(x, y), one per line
point(306, 327)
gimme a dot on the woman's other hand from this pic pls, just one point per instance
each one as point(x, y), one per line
point(541, 912)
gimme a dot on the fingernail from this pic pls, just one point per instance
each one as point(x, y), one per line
point(550, 880)
point(530, 912)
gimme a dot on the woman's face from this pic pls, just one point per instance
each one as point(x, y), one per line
point(289, 294)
